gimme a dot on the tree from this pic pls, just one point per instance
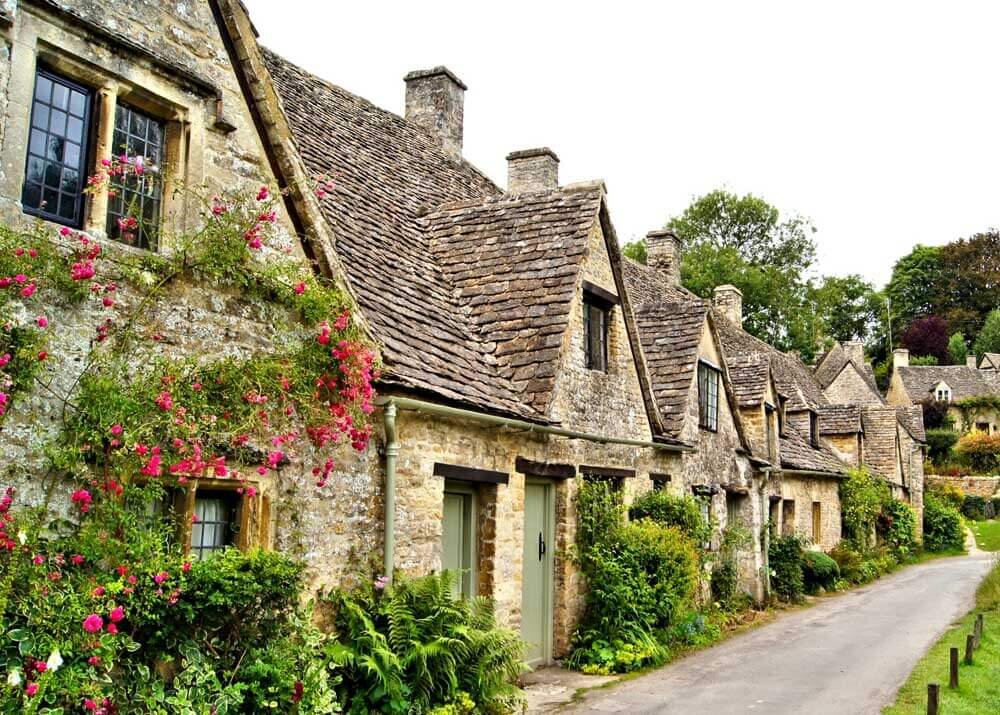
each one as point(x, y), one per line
point(636, 250)
point(751, 226)
point(928, 336)
point(848, 308)
point(957, 349)
point(744, 241)
point(911, 289)
point(968, 287)
point(989, 337)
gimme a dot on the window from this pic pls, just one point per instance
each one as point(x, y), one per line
point(57, 150)
point(595, 334)
point(660, 481)
point(814, 428)
point(770, 418)
point(708, 397)
point(983, 427)
point(215, 524)
point(942, 392)
point(734, 504)
point(134, 209)
point(817, 515)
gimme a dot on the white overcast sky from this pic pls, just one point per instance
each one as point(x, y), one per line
point(879, 120)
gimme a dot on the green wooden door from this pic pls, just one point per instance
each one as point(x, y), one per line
point(458, 538)
point(536, 593)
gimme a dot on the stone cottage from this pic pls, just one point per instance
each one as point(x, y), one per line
point(951, 385)
point(522, 353)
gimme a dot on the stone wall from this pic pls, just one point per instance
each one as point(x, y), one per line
point(804, 492)
point(985, 487)
point(849, 388)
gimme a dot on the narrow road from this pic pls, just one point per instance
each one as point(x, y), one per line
point(847, 655)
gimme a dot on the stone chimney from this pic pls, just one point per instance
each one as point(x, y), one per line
point(900, 357)
point(663, 252)
point(532, 170)
point(728, 300)
point(435, 101)
point(970, 360)
point(855, 350)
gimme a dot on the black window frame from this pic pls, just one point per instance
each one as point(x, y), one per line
point(771, 430)
point(596, 314)
point(814, 428)
point(708, 400)
point(148, 189)
point(231, 525)
point(85, 149)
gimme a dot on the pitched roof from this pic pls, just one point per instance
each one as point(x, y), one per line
point(912, 419)
point(839, 419)
point(797, 453)
point(670, 333)
point(750, 374)
point(466, 289)
point(964, 381)
point(649, 286)
point(513, 262)
point(791, 376)
point(990, 361)
point(838, 359)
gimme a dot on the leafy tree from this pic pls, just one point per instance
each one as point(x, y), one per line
point(957, 349)
point(911, 289)
point(751, 226)
point(849, 308)
point(989, 337)
point(636, 250)
point(928, 336)
point(969, 282)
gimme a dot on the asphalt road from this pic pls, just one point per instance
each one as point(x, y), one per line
point(847, 655)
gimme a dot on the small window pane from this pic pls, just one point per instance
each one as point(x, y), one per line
point(140, 195)
point(40, 116)
point(77, 104)
point(36, 145)
point(71, 154)
point(43, 89)
point(32, 195)
point(53, 175)
point(74, 130)
point(70, 181)
point(67, 206)
point(57, 123)
point(60, 96)
point(212, 530)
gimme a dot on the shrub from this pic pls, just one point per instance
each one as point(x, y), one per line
point(940, 442)
point(976, 508)
point(669, 510)
point(980, 451)
point(413, 646)
point(995, 501)
point(785, 557)
point(724, 582)
point(936, 415)
point(862, 496)
point(950, 493)
point(639, 577)
point(859, 568)
point(819, 571)
point(897, 528)
point(942, 526)
point(849, 561)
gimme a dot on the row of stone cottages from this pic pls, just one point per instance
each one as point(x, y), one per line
point(522, 352)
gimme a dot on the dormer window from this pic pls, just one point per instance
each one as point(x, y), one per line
point(708, 396)
point(942, 392)
point(770, 421)
point(814, 428)
point(597, 306)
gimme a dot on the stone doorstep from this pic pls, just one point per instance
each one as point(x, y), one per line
point(550, 688)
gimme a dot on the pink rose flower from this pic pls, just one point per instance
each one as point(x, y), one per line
point(93, 623)
point(117, 614)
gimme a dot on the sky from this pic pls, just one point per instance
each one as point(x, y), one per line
point(877, 120)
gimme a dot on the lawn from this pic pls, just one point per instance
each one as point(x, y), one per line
point(987, 534)
point(979, 683)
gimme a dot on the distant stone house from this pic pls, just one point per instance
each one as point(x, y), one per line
point(522, 353)
point(950, 385)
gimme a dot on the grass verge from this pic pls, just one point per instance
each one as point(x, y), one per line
point(987, 534)
point(979, 683)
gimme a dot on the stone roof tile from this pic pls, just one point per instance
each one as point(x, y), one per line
point(964, 381)
point(839, 419)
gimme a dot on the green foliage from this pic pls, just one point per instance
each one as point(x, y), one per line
point(911, 288)
point(951, 494)
point(862, 496)
point(639, 577)
point(636, 250)
point(940, 442)
point(819, 571)
point(897, 528)
point(857, 567)
point(942, 525)
point(923, 361)
point(957, 349)
point(977, 508)
point(849, 308)
point(413, 646)
point(785, 557)
point(980, 451)
point(988, 340)
point(666, 509)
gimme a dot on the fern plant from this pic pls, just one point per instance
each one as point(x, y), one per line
point(414, 646)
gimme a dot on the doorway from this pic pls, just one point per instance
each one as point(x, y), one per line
point(536, 584)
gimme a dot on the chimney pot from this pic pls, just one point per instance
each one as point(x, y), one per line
point(663, 252)
point(728, 300)
point(435, 101)
point(970, 360)
point(900, 357)
point(532, 170)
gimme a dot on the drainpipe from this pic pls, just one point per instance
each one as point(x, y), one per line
point(391, 452)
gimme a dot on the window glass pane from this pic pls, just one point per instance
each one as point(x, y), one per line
point(137, 135)
point(51, 158)
point(212, 529)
